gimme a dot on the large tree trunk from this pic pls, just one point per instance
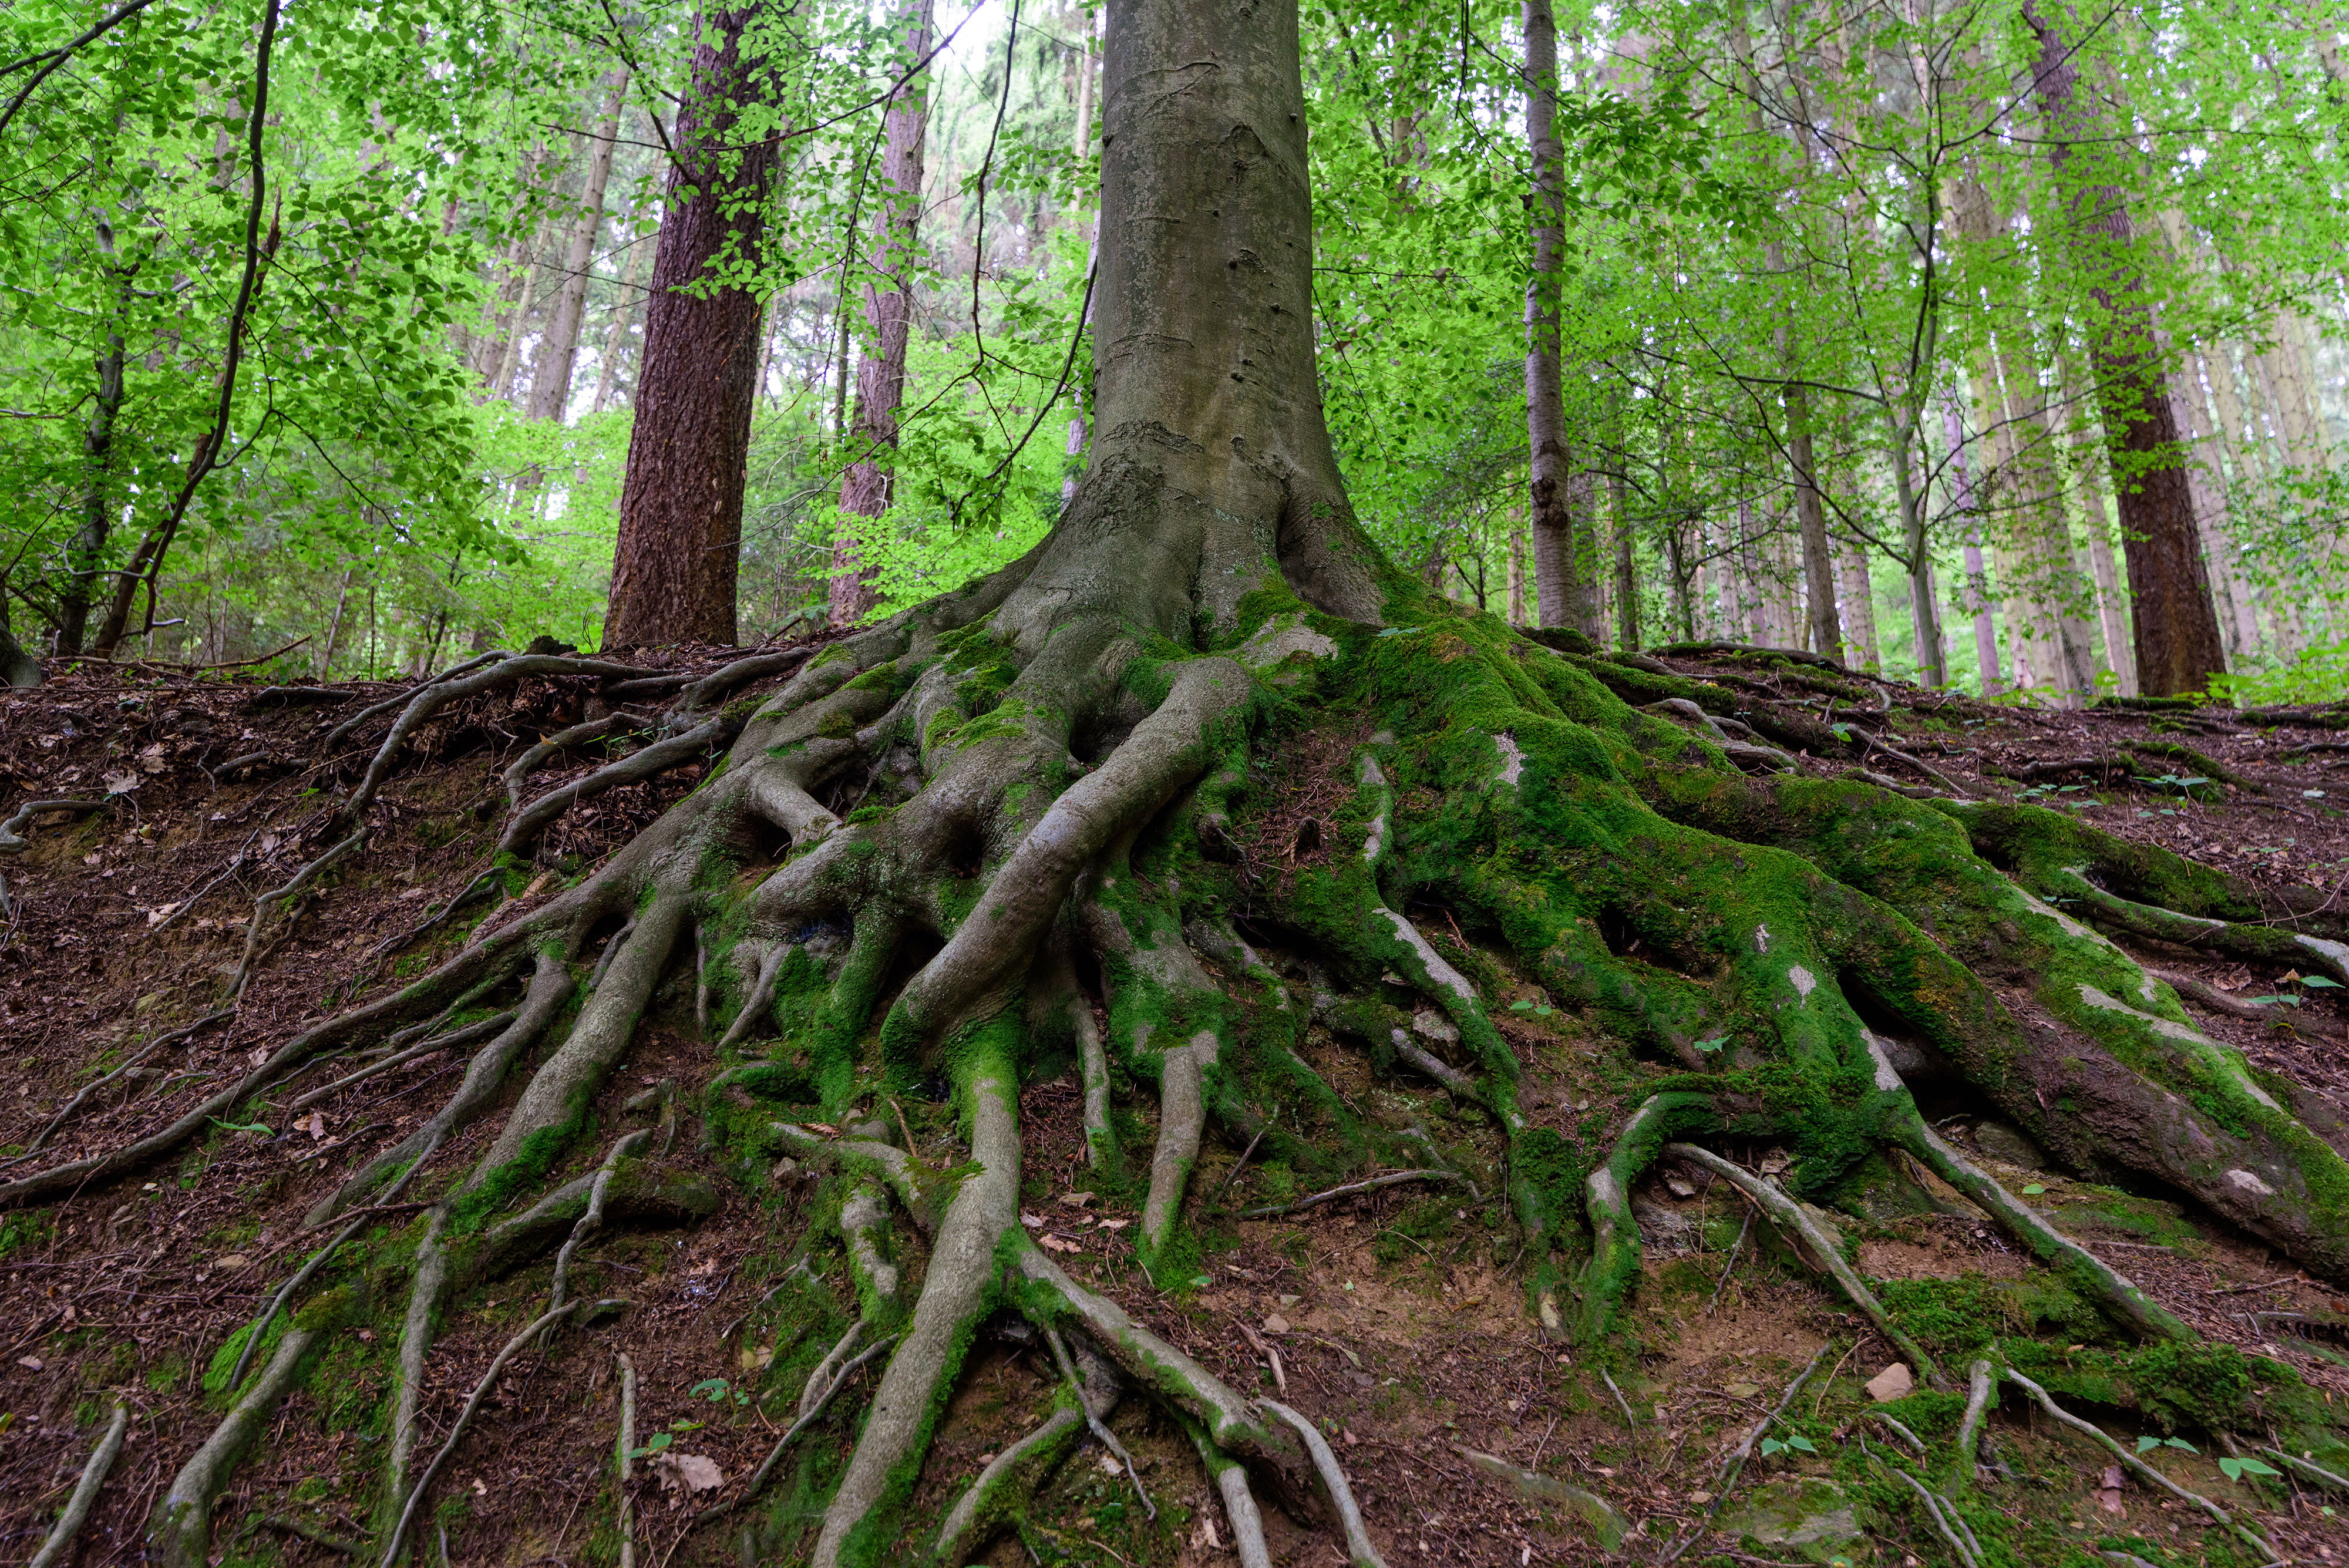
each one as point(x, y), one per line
point(558, 352)
point(2177, 646)
point(681, 502)
point(865, 488)
point(1560, 597)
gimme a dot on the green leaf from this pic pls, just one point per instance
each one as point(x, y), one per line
point(1772, 1446)
point(1521, 1007)
point(2147, 1444)
point(261, 1128)
point(711, 1389)
point(2320, 982)
point(1800, 1441)
point(2034, 1189)
point(1712, 1045)
point(2179, 1443)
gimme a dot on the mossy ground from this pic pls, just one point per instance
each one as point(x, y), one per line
point(1400, 1317)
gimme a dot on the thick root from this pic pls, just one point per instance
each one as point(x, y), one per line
point(179, 1529)
point(84, 1493)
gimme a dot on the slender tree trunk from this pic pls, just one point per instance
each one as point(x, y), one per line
point(608, 374)
point(1977, 583)
point(865, 488)
point(1627, 586)
point(1811, 514)
point(550, 382)
point(509, 367)
point(1558, 593)
point(1925, 616)
point(1858, 596)
point(17, 667)
point(680, 544)
point(1082, 146)
point(2177, 646)
point(85, 554)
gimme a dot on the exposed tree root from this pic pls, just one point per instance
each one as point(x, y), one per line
point(1001, 1492)
point(1359, 1550)
point(1733, 1465)
point(60, 1537)
point(180, 1529)
point(2097, 1436)
point(1818, 1249)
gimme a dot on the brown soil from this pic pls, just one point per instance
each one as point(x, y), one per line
point(1397, 1322)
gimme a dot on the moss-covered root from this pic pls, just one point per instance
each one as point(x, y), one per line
point(957, 1290)
point(2086, 1272)
point(558, 1093)
point(864, 1231)
point(1231, 1482)
point(84, 1493)
point(179, 1529)
point(549, 988)
point(424, 1294)
point(1048, 1298)
point(1003, 1489)
point(1818, 1248)
point(1182, 1118)
point(2236, 938)
point(1982, 1389)
point(1101, 1134)
point(1615, 1236)
point(1360, 1552)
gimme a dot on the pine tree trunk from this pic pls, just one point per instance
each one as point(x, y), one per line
point(865, 488)
point(2178, 645)
point(550, 383)
point(673, 576)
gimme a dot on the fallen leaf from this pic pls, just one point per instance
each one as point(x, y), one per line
point(1115, 1224)
point(315, 1124)
point(122, 783)
point(33, 1362)
point(151, 758)
point(1077, 1198)
point(161, 913)
point(692, 1473)
point(1033, 1221)
point(1054, 1243)
point(1276, 1323)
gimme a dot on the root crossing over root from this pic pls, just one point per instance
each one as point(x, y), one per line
point(84, 1493)
point(1107, 1439)
point(1789, 1216)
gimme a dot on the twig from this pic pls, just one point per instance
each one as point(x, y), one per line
point(1734, 1465)
point(1630, 1421)
point(1349, 1190)
point(1233, 1175)
point(89, 1089)
point(465, 1036)
point(807, 1418)
point(457, 1432)
point(1933, 1511)
point(1101, 1431)
point(1722, 1283)
point(628, 1449)
point(85, 1491)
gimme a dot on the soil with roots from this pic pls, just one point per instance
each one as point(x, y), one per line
point(757, 1180)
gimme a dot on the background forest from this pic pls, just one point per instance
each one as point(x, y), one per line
point(359, 376)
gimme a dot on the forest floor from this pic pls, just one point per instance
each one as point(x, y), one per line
point(1392, 1318)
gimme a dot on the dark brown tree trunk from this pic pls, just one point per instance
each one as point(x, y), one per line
point(865, 488)
point(558, 353)
point(2176, 624)
point(681, 502)
point(1561, 596)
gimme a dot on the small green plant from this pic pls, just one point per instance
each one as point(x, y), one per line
point(1539, 1009)
point(717, 1390)
point(2147, 1444)
point(1715, 1043)
point(1795, 1444)
point(2236, 1469)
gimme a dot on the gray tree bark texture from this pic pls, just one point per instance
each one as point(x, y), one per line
point(2176, 631)
point(1561, 598)
point(865, 488)
point(558, 353)
point(673, 575)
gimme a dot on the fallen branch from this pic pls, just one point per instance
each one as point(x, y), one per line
point(1350, 1188)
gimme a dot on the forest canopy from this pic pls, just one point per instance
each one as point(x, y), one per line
point(1845, 260)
